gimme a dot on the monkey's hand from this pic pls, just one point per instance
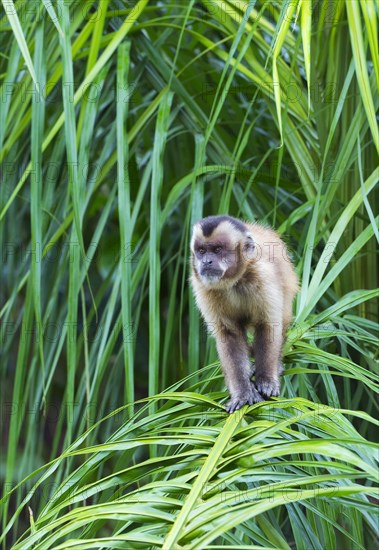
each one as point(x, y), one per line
point(247, 397)
point(268, 386)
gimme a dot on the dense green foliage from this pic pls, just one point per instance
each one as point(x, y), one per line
point(121, 123)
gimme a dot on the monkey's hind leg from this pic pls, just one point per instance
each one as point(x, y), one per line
point(268, 348)
point(252, 361)
point(233, 354)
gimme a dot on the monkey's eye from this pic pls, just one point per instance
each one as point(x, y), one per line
point(218, 249)
point(201, 250)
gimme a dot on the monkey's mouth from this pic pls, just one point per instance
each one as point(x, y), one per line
point(211, 273)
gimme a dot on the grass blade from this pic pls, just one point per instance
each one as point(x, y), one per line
point(125, 217)
point(155, 239)
point(356, 38)
point(223, 440)
point(14, 21)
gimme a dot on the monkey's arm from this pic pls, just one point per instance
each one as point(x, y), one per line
point(268, 345)
point(233, 353)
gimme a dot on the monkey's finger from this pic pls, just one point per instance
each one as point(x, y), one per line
point(234, 405)
point(268, 387)
point(247, 399)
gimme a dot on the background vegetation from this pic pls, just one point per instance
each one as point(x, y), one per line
point(120, 124)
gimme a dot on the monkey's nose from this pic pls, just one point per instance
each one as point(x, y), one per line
point(207, 261)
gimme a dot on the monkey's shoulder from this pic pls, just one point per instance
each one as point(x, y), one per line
point(261, 230)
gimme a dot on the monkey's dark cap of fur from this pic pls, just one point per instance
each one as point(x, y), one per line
point(209, 224)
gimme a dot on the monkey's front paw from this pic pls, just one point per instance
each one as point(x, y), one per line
point(248, 397)
point(269, 387)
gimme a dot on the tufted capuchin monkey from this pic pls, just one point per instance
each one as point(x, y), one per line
point(243, 280)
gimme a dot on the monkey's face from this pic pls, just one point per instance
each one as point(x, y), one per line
point(213, 259)
point(217, 252)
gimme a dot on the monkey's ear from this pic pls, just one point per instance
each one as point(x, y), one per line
point(249, 245)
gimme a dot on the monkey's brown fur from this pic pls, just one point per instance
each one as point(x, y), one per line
point(244, 281)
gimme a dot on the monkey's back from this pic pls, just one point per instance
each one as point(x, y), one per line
point(272, 264)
